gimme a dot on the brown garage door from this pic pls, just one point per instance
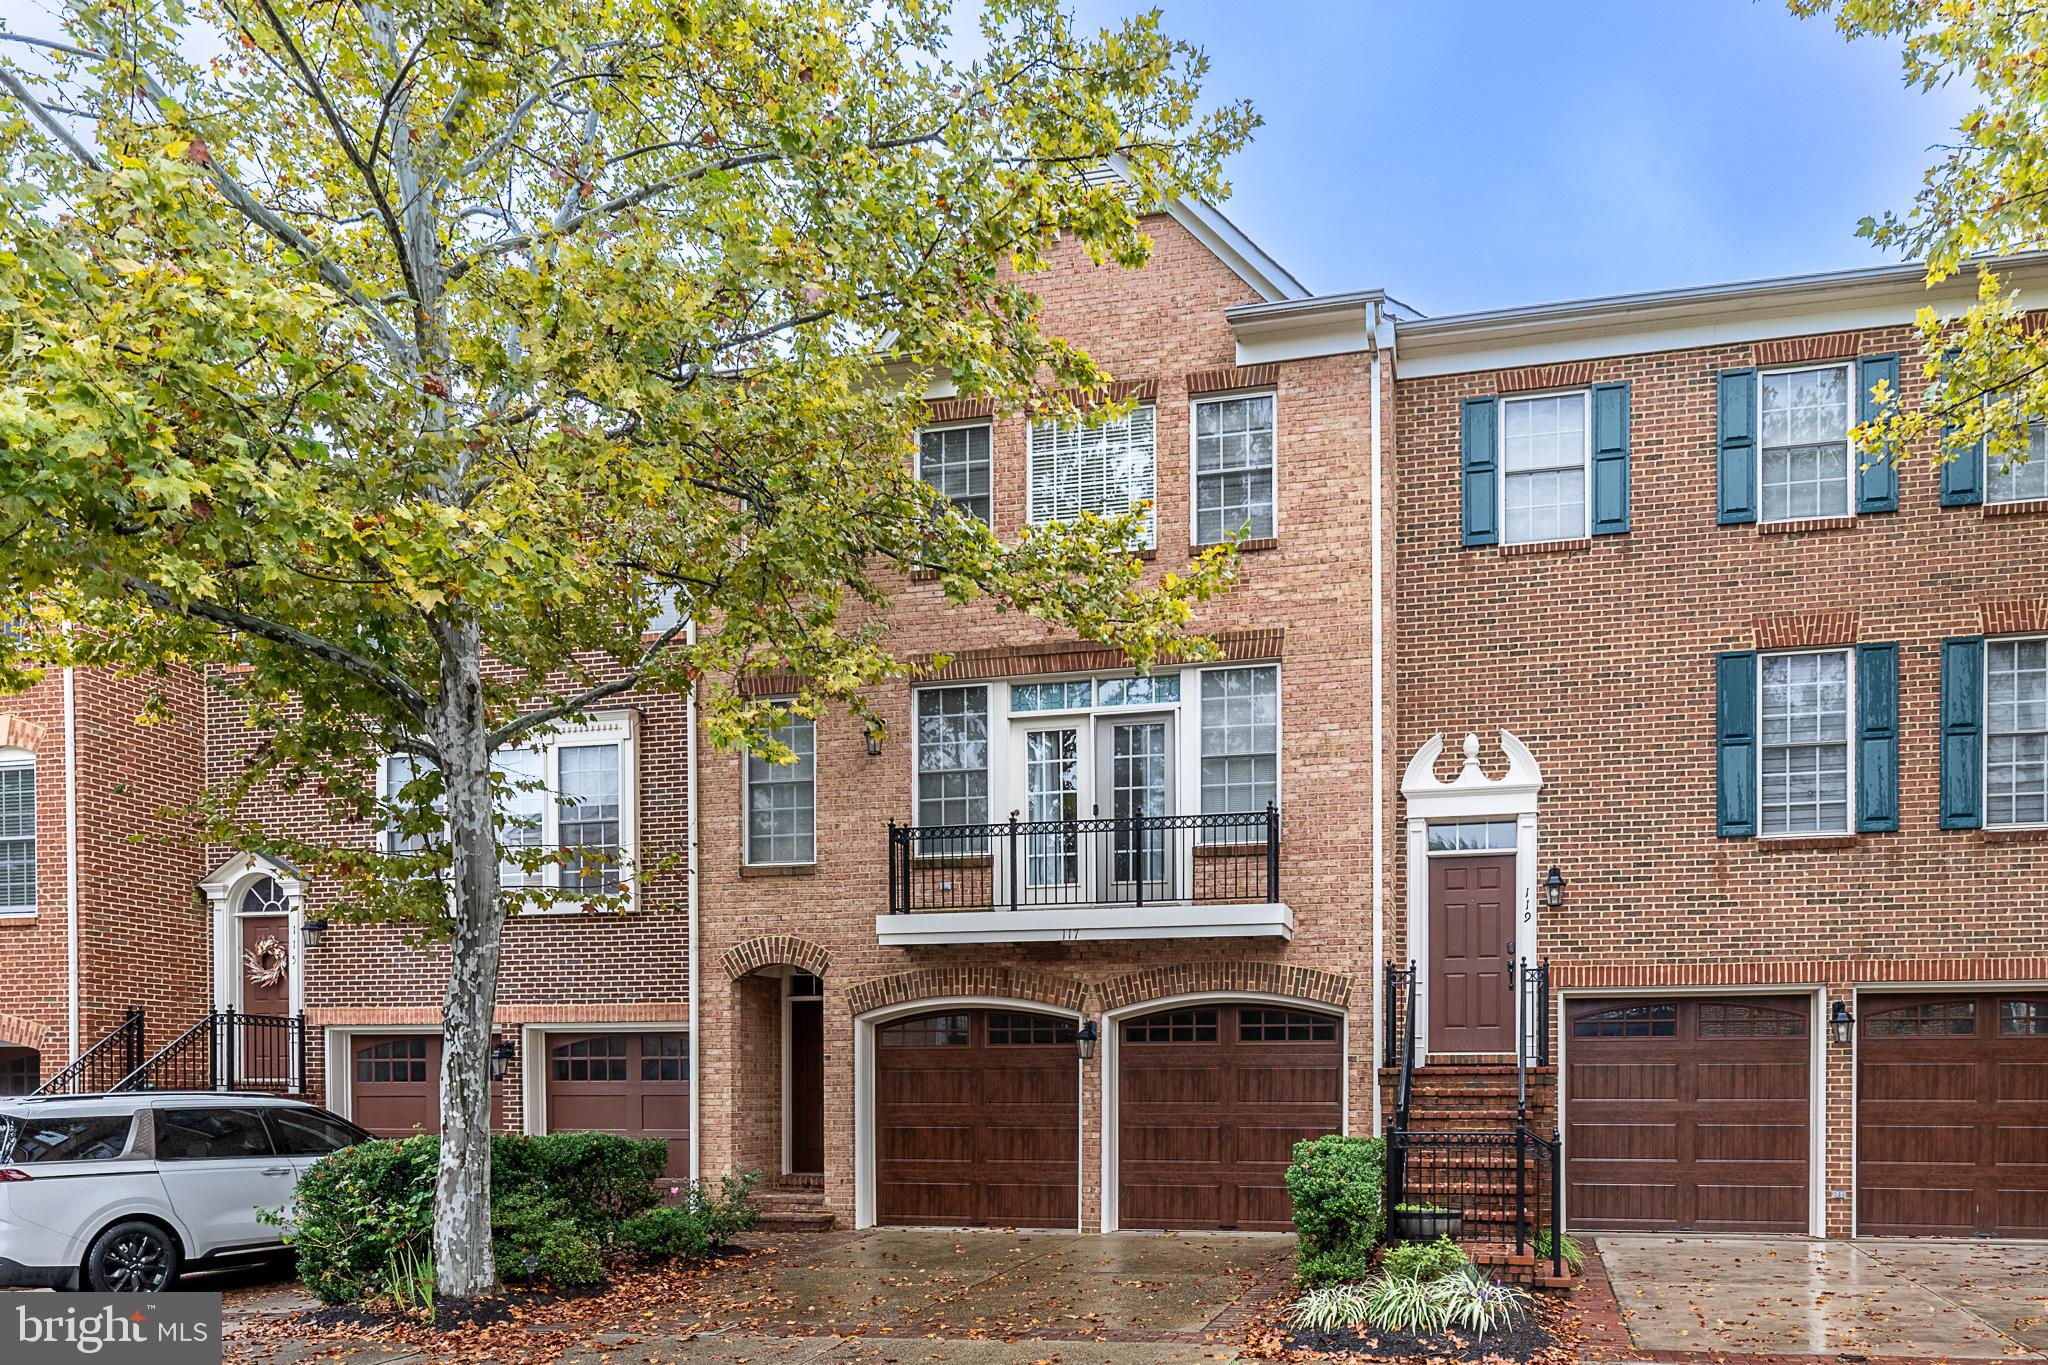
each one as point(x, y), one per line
point(396, 1088)
point(1210, 1102)
point(1688, 1115)
point(637, 1084)
point(977, 1121)
point(1952, 1115)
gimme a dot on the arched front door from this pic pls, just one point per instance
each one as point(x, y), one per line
point(264, 1046)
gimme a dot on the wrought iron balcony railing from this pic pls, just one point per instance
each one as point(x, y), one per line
point(1078, 864)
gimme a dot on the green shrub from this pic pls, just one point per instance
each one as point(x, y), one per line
point(702, 1220)
point(1330, 1306)
point(1397, 1305)
point(1424, 1260)
point(1338, 1187)
point(1569, 1251)
point(365, 1216)
point(1468, 1299)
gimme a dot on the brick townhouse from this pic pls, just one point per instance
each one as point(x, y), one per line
point(1596, 587)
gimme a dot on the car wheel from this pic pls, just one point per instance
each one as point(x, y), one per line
point(131, 1258)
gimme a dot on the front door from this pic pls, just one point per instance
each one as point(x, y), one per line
point(1135, 787)
point(1471, 954)
point(263, 1048)
point(806, 1079)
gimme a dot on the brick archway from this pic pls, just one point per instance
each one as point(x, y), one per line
point(20, 1031)
point(19, 733)
point(775, 950)
point(932, 983)
point(1224, 978)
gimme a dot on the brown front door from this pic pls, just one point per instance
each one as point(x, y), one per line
point(637, 1084)
point(977, 1121)
point(1688, 1115)
point(1471, 951)
point(807, 1087)
point(1952, 1116)
point(265, 1051)
point(1210, 1102)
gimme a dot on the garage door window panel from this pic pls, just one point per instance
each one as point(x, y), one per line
point(1927, 1019)
point(1632, 1021)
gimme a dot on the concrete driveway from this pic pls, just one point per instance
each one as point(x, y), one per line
point(1789, 1296)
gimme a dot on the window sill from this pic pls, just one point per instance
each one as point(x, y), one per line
point(751, 871)
point(2018, 834)
point(1805, 843)
point(17, 917)
point(2033, 507)
point(1244, 547)
point(1805, 526)
point(1548, 547)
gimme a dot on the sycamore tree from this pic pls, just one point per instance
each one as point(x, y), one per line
point(421, 359)
point(1984, 196)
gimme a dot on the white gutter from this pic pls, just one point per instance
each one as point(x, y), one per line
point(1379, 757)
point(71, 852)
point(691, 904)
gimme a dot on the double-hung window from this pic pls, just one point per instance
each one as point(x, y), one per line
point(17, 833)
point(782, 799)
point(1240, 739)
point(1233, 467)
point(568, 798)
point(1545, 447)
point(952, 756)
point(2016, 732)
point(955, 461)
point(2006, 479)
point(1803, 443)
point(1107, 468)
point(1804, 722)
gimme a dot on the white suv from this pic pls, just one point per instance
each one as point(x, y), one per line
point(117, 1193)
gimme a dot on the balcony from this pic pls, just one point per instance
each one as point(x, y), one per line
point(1106, 877)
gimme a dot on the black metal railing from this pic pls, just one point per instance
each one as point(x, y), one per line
point(101, 1067)
point(1398, 1034)
point(1532, 1012)
point(1099, 861)
point(228, 1050)
point(1502, 1184)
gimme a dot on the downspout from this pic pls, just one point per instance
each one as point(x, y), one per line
point(691, 903)
point(1379, 757)
point(71, 853)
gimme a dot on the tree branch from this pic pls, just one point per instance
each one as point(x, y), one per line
point(584, 700)
point(14, 87)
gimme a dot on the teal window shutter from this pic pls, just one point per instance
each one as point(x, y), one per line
point(1877, 738)
point(1735, 439)
point(1735, 744)
point(1962, 479)
point(1962, 732)
point(1877, 478)
point(1610, 459)
point(1481, 436)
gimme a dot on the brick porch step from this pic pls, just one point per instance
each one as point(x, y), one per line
point(794, 1210)
point(1506, 1263)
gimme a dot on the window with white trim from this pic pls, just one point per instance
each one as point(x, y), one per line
point(952, 756)
point(571, 795)
point(2007, 479)
point(2016, 732)
point(17, 832)
point(1107, 468)
point(1545, 448)
point(1240, 739)
point(782, 799)
point(955, 461)
point(1803, 443)
point(1803, 746)
point(1233, 467)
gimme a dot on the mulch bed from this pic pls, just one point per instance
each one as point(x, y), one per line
point(1530, 1340)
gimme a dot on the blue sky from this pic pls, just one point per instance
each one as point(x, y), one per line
point(1470, 154)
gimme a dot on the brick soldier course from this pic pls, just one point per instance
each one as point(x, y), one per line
point(1593, 670)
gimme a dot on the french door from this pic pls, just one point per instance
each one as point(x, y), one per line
point(1088, 787)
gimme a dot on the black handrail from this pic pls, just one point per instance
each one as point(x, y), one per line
point(100, 1067)
point(1495, 1179)
point(1017, 864)
point(228, 1050)
point(1405, 1094)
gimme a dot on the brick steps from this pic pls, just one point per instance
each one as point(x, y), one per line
point(1505, 1263)
point(795, 1204)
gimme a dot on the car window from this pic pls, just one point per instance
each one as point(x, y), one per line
point(203, 1134)
point(311, 1132)
point(26, 1140)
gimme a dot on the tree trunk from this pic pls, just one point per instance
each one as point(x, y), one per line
point(463, 1264)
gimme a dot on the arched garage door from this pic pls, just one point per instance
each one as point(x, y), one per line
point(1210, 1102)
point(977, 1120)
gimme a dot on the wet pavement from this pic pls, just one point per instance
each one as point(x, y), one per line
point(1791, 1296)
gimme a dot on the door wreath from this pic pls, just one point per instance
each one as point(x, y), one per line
point(266, 962)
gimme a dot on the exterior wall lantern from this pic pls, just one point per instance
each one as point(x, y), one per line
point(502, 1053)
point(1841, 1024)
point(1084, 1039)
point(310, 932)
point(874, 741)
point(1553, 889)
